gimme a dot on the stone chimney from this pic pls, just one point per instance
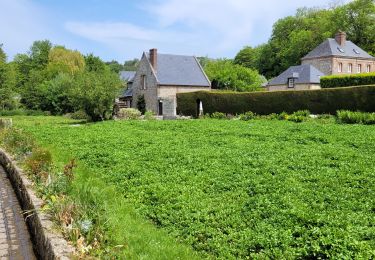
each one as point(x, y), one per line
point(340, 37)
point(154, 58)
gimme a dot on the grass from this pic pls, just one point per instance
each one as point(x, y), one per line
point(227, 189)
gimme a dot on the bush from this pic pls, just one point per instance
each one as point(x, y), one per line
point(349, 117)
point(39, 163)
point(218, 115)
point(322, 101)
point(79, 115)
point(141, 104)
point(17, 141)
point(149, 115)
point(336, 81)
point(6, 123)
point(247, 116)
point(129, 113)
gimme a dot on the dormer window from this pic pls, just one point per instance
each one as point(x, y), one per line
point(341, 50)
point(356, 51)
point(350, 68)
point(340, 68)
point(359, 68)
point(291, 83)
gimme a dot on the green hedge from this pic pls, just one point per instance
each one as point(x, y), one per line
point(336, 81)
point(322, 101)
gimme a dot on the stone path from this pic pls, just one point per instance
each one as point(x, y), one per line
point(15, 243)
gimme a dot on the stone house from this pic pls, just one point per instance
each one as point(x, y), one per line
point(161, 76)
point(332, 57)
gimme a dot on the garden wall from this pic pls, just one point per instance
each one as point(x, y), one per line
point(263, 103)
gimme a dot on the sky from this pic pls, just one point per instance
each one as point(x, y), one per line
point(122, 30)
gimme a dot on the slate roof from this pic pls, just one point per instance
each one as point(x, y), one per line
point(306, 74)
point(127, 75)
point(331, 47)
point(180, 70)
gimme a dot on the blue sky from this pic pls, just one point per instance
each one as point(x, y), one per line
point(121, 30)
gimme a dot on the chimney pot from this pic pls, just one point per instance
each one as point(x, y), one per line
point(340, 38)
point(154, 58)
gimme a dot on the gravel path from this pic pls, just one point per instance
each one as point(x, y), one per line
point(15, 241)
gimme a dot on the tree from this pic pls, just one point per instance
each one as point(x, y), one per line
point(249, 57)
point(95, 92)
point(131, 65)
point(7, 83)
point(39, 53)
point(62, 60)
point(94, 63)
point(114, 66)
point(226, 75)
point(3, 56)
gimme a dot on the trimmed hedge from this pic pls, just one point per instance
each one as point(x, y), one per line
point(336, 81)
point(322, 101)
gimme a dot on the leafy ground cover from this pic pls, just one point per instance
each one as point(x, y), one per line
point(228, 189)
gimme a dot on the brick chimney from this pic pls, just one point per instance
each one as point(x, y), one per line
point(154, 58)
point(340, 37)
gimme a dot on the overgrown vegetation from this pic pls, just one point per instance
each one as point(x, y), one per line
point(58, 80)
point(337, 81)
point(238, 189)
point(323, 101)
point(350, 117)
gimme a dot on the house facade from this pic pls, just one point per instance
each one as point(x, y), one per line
point(332, 57)
point(161, 76)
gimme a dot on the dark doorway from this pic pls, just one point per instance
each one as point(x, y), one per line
point(160, 108)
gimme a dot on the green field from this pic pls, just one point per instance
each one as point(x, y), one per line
point(226, 189)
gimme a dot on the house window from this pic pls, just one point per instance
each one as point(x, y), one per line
point(350, 68)
point(340, 67)
point(143, 82)
point(359, 68)
point(368, 69)
point(291, 83)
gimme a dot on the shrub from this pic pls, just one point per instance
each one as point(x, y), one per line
point(129, 113)
point(149, 115)
point(17, 141)
point(335, 81)
point(349, 117)
point(247, 116)
point(264, 103)
point(141, 104)
point(39, 163)
point(218, 115)
point(79, 115)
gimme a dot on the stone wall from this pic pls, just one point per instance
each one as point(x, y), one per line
point(47, 243)
point(150, 93)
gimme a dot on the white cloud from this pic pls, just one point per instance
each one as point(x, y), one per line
point(201, 27)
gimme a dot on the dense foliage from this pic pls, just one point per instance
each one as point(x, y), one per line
point(294, 36)
point(264, 103)
point(350, 117)
point(336, 81)
point(228, 76)
point(58, 80)
point(230, 189)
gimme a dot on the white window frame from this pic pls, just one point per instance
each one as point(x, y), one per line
point(291, 82)
point(359, 68)
point(350, 68)
point(368, 68)
point(340, 67)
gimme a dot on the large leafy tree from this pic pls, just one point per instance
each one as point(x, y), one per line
point(62, 60)
point(228, 76)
